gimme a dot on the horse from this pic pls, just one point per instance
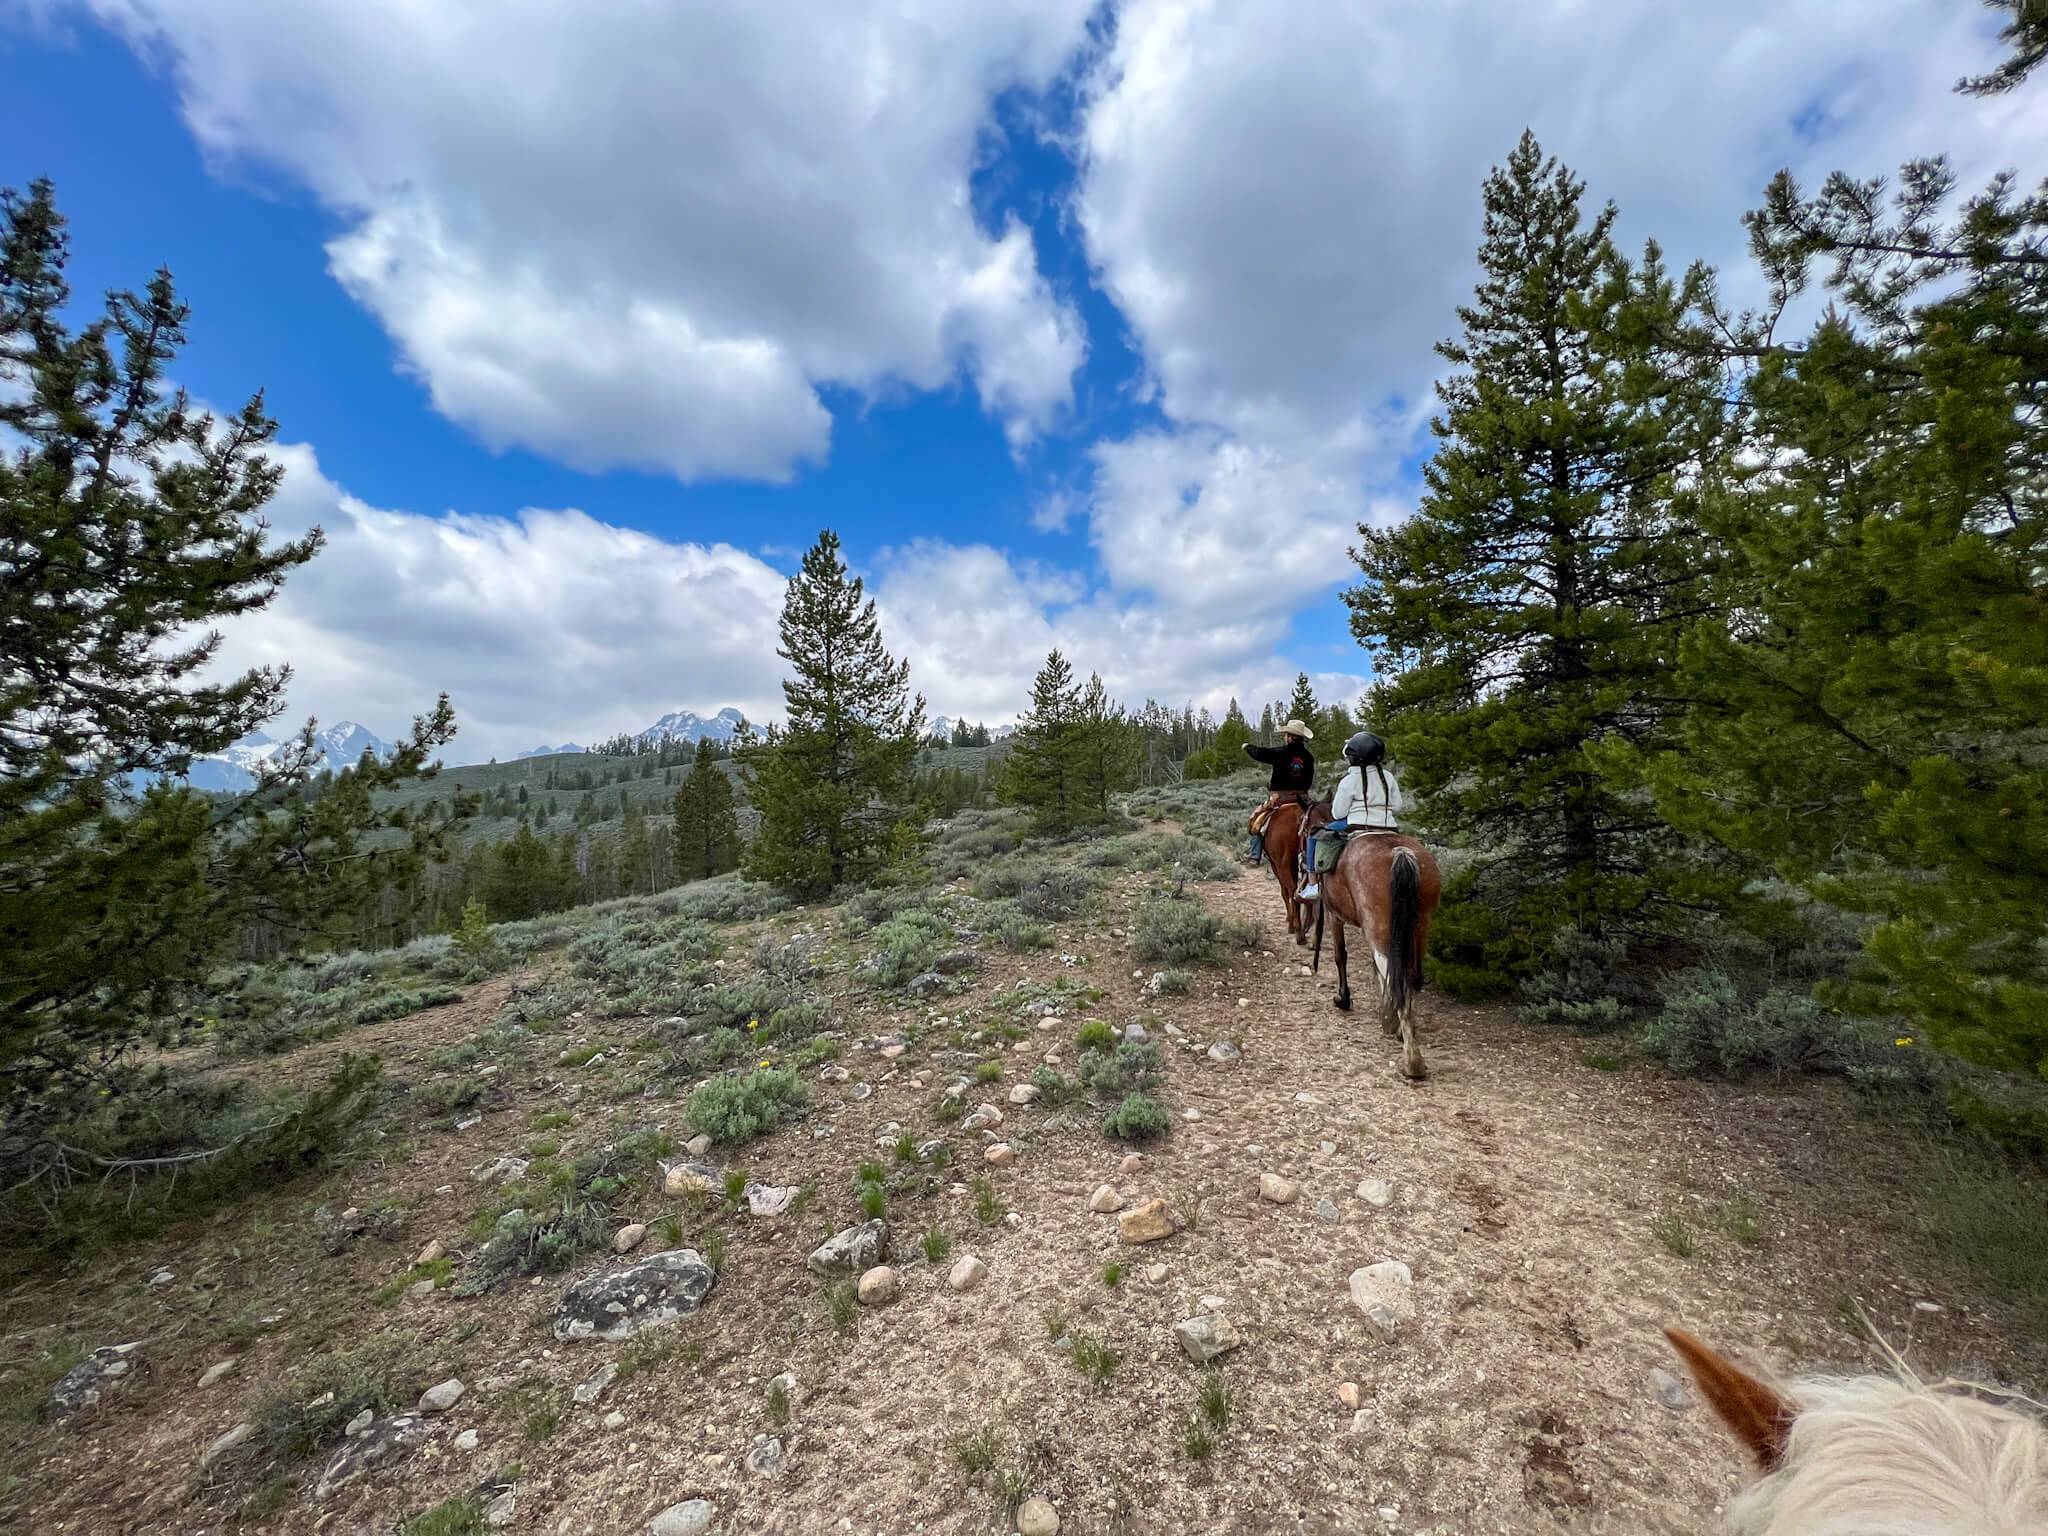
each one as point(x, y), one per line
point(1386, 886)
point(1875, 1455)
point(1282, 840)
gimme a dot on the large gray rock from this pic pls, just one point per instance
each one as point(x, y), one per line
point(1385, 1293)
point(957, 962)
point(382, 1443)
point(1207, 1336)
point(852, 1251)
point(91, 1379)
point(692, 1517)
point(592, 1387)
point(619, 1303)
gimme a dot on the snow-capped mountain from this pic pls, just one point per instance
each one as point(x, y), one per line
point(945, 725)
point(544, 750)
point(686, 725)
point(340, 746)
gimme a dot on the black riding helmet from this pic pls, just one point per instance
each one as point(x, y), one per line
point(1364, 750)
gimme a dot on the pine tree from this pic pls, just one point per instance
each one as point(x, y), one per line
point(832, 784)
point(1107, 750)
point(1043, 768)
point(1872, 684)
point(1303, 705)
point(1530, 608)
point(127, 521)
point(707, 833)
point(1269, 721)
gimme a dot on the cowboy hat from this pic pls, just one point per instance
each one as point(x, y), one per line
point(1296, 728)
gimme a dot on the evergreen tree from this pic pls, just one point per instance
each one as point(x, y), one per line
point(1269, 722)
point(1872, 683)
point(127, 520)
point(706, 830)
point(1303, 705)
point(1530, 608)
point(831, 784)
point(1043, 767)
point(1108, 749)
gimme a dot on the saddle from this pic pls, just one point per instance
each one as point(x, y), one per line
point(1264, 814)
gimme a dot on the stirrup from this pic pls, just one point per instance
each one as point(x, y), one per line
point(1309, 892)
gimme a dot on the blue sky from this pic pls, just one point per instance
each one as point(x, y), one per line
point(1101, 326)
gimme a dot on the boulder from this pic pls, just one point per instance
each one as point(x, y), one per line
point(442, 1396)
point(629, 1237)
point(376, 1447)
point(1207, 1336)
point(851, 1251)
point(769, 1200)
point(693, 1179)
point(91, 1379)
point(1147, 1223)
point(878, 1286)
point(692, 1517)
point(1105, 1200)
point(619, 1303)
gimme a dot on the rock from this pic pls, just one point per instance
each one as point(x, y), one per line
point(91, 1379)
point(619, 1303)
point(1207, 1336)
point(378, 1445)
point(925, 984)
point(1105, 1199)
point(614, 1420)
point(1133, 1163)
point(1036, 1517)
point(887, 1132)
point(786, 1384)
point(1671, 1392)
point(1384, 1292)
point(1147, 1223)
point(967, 1273)
point(1306, 1098)
point(1326, 1210)
point(1347, 1394)
point(216, 1371)
point(768, 1200)
point(878, 1286)
point(1002, 1154)
point(592, 1387)
point(957, 962)
point(226, 1443)
point(629, 1237)
point(1376, 1192)
point(466, 1441)
point(927, 1150)
point(700, 1145)
point(1024, 1093)
point(765, 1458)
point(832, 1072)
point(1326, 1147)
point(420, 1290)
point(851, 1251)
point(503, 1171)
point(501, 1509)
point(692, 1179)
point(692, 1517)
point(1155, 1273)
point(984, 1117)
point(1191, 1115)
point(859, 1092)
point(1244, 1002)
point(1135, 1033)
point(1276, 1189)
point(1224, 1051)
point(434, 1250)
point(358, 1424)
point(164, 1277)
point(1361, 1422)
point(442, 1396)
point(1384, 1321)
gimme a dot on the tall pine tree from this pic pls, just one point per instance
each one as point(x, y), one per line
point(1303, 705)
point(832, 783)
point(1042, 769)
point(707, 833)
point(1529, 608)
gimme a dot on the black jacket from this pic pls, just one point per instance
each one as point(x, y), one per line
point(1294, 766)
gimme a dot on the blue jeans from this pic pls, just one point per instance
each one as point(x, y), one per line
point(1334, 826)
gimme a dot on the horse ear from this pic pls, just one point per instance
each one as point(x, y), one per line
point(1754, 1411)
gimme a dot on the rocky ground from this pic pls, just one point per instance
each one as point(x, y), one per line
point(1427, 1307)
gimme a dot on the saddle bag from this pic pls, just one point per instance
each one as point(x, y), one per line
point(1329, 849)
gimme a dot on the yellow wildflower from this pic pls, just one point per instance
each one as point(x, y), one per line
point(1903, 1040)
point(764, 1061)
point(753, 1024)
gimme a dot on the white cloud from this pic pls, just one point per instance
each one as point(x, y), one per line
point(646, 235)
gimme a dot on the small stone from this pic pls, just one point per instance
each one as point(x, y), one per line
point(419, 1290)
point(860, 1091)
point(629, 1237)
point(1155, 1273)
point(442, 1396)
point(766, 1458)
point(1105, 1199)
point(1224, 1051)
point(891, 1051)
point(770, 1200)
point(1244, 1002)
point(227, 1442)
point(1012, 1220)
point(1384, 1321)
point(592, 1387)
point(1037, 1517)
point(466, 1441)
point(614, 1420)
point(984, 1117)
point(1326, 1147)
point(786, 1384)
point(1276, 1189)
point(216, 1371)
point(1347, 1394)
point(692, 1517)
point(1207, 1336)
point(358, 1424)
point(1361, 1422)
point(1002, 1154)
point(1024, 1093)
point(1147, 1223)
point(1326, 1210)
point(501, 1509)
point(878, 1286)
point(833, 1073)
point(434, 1250)
point(1376, 1192)
point(1135, 1033)
point(852, 1250)
point(1671, 1392)
point(1133, 1162)
point(1388, 1284)
point(164, 1277)
point(698, 1146)
point(1191, 1115)
point(967, 1273)
point(1306, 1098)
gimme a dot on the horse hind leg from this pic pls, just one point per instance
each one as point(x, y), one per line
point(1342, 1001)
point(1411, 1045)
point(1389, 1024)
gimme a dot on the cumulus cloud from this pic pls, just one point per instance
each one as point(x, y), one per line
point(645, 235)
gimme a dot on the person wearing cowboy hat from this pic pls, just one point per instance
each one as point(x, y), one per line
point(1293, 776)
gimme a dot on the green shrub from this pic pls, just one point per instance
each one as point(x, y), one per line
point(530, 1228)
point(728, 899)
point(462, 1515)
point(1129, 1068)
point(1707, 1026)
point(636, 962)
point(736, 1004)
point(1015, 929)
point(1138, 1118)
point(1583, 983)
point(737, 1109)
point(1039, 888)
point(306, 1415)
point(475, 946)
point(971, 839)
point(1054, 1086)
point(1179, 930)
point(1095, 1035)
point(906, 947)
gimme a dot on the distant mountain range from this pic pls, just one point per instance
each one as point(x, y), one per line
point(341, 746)
point(687, 725)
point(945, 725)
point(564, 749)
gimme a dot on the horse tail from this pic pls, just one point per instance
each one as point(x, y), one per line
point(1404, 965)
point(1315, 963)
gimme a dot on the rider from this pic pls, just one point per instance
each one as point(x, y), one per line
point(1293, 776)
point(1365, 800)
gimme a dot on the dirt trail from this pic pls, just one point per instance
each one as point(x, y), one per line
point(1526, 1188)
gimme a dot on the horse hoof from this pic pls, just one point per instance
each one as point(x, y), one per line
point(1341, 1004)
point(1301, 939)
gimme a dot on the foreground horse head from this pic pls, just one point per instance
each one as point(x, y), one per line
point(1874, 1455)
point(1386, 886)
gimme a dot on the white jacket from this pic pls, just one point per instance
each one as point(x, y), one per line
point(1368, 797)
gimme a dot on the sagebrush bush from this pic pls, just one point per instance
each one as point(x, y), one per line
point(1138, 1118)
point(1014, 928)
point(734, 1004)
point(737, 1109)
point(1583, 983)
point(727, 899)
point(307, 1414)
point(906, 946)
point(1179, 930)
point(547, 1222)
point(643, 963)
point(1173, 982)
point(1193, 857)
point(1095, 1035)
point(1706, 1025)
point(1039, 887)
point(974, 837)
point(1127, 1068)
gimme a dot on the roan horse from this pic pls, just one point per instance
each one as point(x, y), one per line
point(1386, 886)
point(1875, 1455)
point(1282, 841)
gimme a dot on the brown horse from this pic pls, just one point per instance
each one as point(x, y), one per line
point(1386, 886)
point(1282, 840)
